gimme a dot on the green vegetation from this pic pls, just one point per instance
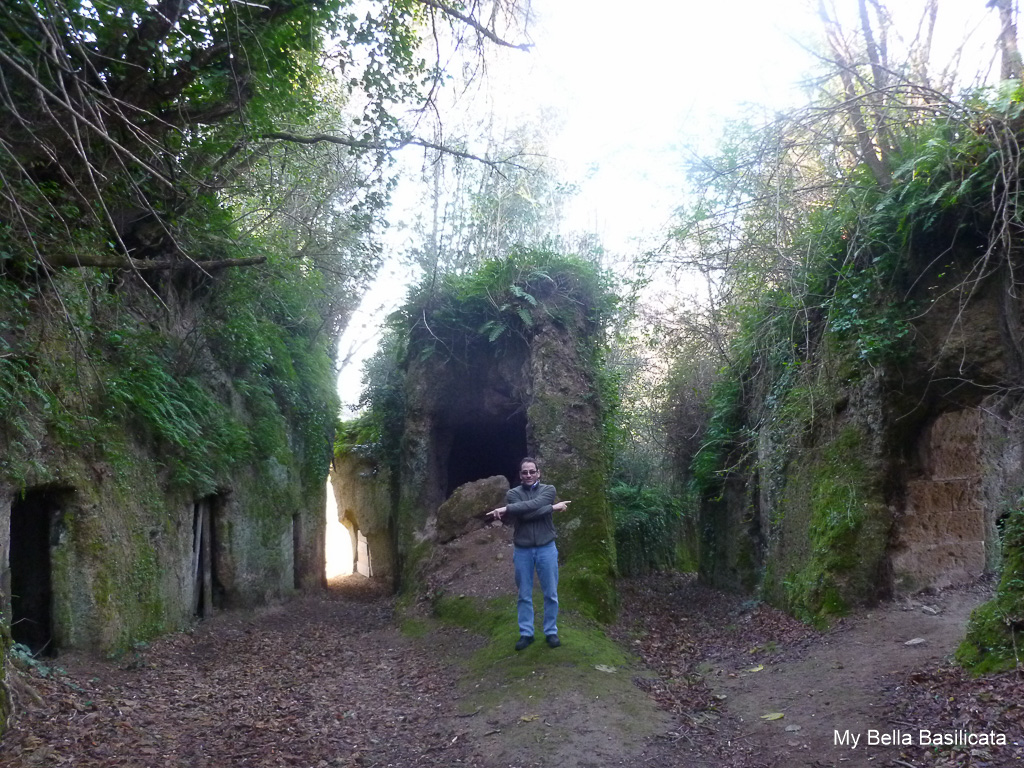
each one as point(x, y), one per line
point(993, 641)
point(584, 645)
point(502, 300)
point(200, 104)
point(648, 529)
point(713, 461)
point(104, 375)
point(839, 238)
point(836, 497)
point(377, 432)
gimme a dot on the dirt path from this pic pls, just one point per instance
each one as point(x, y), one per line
point(725, 665)
point(321, 681)
point(839, 689)
point(341, 679)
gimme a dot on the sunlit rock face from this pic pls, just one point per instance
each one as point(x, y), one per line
point(362, 491)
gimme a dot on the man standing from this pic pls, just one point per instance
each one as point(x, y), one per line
point(531, 506)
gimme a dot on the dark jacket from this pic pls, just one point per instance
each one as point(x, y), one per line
point(532, 514)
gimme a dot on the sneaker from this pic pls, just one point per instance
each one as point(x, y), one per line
point(524, 640)
point(553, 641)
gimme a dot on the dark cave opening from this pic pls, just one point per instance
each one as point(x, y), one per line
point(296, 551)
point(34, 532)
point(208, 593)
point(483, 448)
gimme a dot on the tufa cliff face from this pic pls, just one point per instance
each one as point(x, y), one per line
point(158, 463)
point(865, 481)
point(476, 402)
point(472, 418)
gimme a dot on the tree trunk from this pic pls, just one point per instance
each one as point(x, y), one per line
point(1011, 68)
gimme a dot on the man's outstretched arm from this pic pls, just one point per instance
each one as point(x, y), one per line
point(545, 498)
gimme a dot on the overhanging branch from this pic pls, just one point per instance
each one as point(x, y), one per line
point(386, 146)
point(111, 261)
point(448, 10)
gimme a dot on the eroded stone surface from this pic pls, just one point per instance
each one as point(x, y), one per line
point(464, 510)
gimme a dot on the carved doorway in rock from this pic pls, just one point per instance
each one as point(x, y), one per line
point(466, 420)
point(484, 445)
point(207, 591)
point(35, 530)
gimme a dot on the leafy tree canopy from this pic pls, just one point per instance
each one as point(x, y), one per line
point(136, 115)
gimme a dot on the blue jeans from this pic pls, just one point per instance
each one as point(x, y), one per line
point(545, 560)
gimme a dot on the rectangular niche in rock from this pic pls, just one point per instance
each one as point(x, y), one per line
point(36, 519)
point(207, 592)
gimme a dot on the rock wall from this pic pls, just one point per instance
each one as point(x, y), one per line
point(122, 548)
point(566, 429)
point(940, 540)
point(870, 481)
point(474, 408)
point(121, 432)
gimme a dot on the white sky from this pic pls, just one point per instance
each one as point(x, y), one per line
point(639, 86)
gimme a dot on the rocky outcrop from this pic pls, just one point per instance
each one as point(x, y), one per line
point(566, 420)
point(465, 509)
point(148, 475)
point(476, 404)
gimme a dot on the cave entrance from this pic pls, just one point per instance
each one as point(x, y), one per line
point(207, 592)
point(35, 524)
point(485, 447)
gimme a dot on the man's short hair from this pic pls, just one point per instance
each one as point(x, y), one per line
point(530, 460)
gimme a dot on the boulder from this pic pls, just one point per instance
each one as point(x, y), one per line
point(464, 509)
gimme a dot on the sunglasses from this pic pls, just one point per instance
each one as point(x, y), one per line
point(529, 471)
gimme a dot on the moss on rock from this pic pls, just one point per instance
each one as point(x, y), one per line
point(994, 633)
point(834, 528)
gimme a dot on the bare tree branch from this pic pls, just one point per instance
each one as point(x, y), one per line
point(113, 261)
point(448, 10)
point(391, 146)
